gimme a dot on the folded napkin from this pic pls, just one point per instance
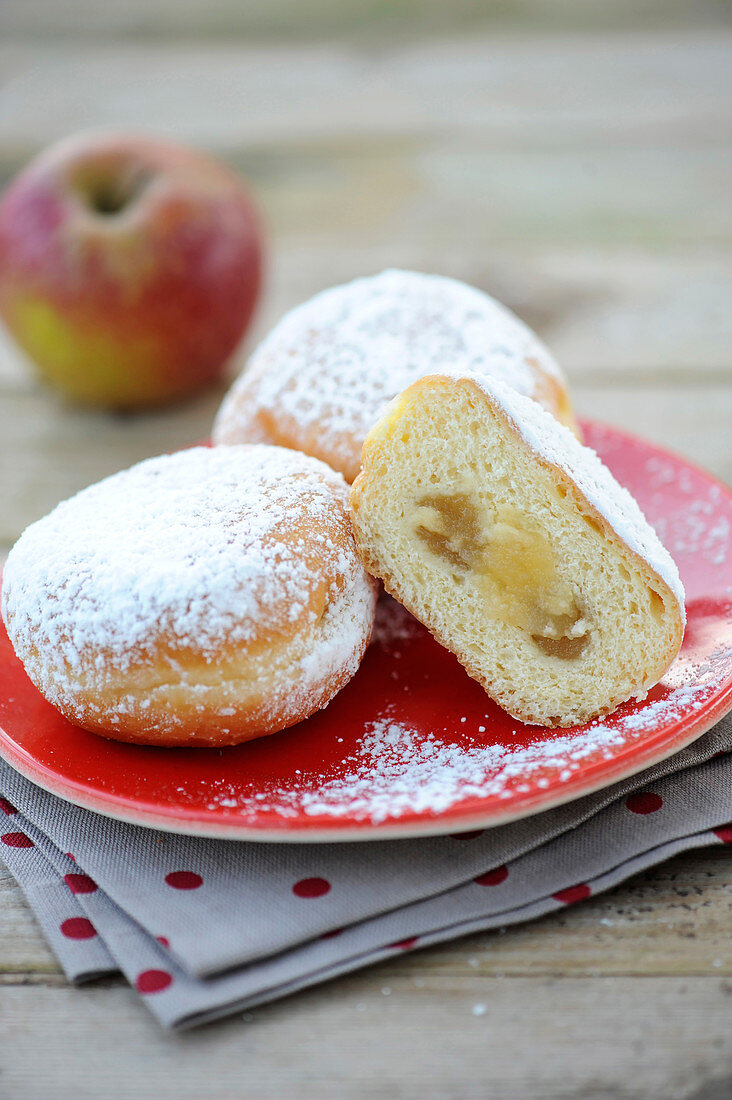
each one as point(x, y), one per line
point(202, 928)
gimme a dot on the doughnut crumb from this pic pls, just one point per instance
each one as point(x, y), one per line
point(517, 548)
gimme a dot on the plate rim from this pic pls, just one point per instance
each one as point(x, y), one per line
point(425, 827)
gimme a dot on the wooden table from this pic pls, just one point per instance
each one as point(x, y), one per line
point(580, 175)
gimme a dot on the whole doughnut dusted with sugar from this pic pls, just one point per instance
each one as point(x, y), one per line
point(325, 374)
point(200, 598)
point(517, 548)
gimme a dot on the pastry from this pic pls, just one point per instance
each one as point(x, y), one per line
point(326, 372)
point(517, 548)
point(200, 598)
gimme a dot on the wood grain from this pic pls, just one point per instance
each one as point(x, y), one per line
point(24, 953)
point(626, 995)
point(378, 1034)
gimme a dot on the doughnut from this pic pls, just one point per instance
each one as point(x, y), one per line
point(200, 598)
point(325, 374)
point(517, 548)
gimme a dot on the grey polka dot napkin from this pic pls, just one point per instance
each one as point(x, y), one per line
point(202, 928)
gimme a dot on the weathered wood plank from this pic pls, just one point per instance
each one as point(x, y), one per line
point(595, 202)
point(637, 928)
point(605, 312)
point(23, 950)
point(372, 1035)
point(672, 920)
point(693, 421)
point(48, 450)
point(618, 313)
point(541, 94)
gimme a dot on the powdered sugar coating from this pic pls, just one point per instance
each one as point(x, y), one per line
point(206, 547)
point(335, 362)
point(557, 445)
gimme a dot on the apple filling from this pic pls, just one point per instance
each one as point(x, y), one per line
point(516, 566)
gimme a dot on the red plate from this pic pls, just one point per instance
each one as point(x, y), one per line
point(413, 746)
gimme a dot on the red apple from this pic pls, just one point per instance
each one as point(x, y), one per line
point(129, 268)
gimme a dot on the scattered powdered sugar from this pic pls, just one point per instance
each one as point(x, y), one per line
point(692, 682)
point(204, 546)
point(716, 540)
point(557, 445)
point(396, 770)
point(661, 472)
point(699, 528)
point(335, 362)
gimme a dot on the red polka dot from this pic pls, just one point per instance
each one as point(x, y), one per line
point(78, 928)
point(724, 832)
point(72, 858)
point(494, 877)
point(404, 945)
point(80, 884)
point(311, 887)
point(7, 807)
point(573, 893)
point(184, 880)
point(153, 981)
point(473, 835)
point(164, 941)
point(332, 934)
point(644, 802)
point(17, 840)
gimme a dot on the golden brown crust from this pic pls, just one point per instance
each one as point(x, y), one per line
point(256, 621)
point(245, 422)
point(552, 393)
point(341, 451)
point(322, 377)
point(196, 725)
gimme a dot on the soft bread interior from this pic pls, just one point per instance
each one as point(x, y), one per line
point(502, 557)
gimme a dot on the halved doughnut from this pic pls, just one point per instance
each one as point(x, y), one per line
point(517, 548)
point(199, 598)
point(327, 371)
